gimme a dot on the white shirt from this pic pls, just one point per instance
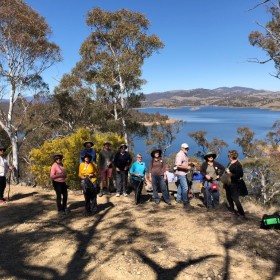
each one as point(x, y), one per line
point(3, 166)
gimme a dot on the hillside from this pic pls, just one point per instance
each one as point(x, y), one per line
point(224, 96)
point(124, 241)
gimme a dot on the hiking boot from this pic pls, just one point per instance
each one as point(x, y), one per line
point(101, 193)
point(118, 195)
point(168, 203)
point(179, 201)
point(157, 201)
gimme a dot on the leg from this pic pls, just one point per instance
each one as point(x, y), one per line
point(164, 191)
point(2, 186)
point(64, 196)
point(208, 194)
point(87, 200)
point(58, 189)
point(235, 198)
point(118, 182)
point(229, 198)
point(184, 188)
point(216, 198)
point(125, 181)
point(155, 185)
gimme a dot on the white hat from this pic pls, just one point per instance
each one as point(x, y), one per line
point(184, 145)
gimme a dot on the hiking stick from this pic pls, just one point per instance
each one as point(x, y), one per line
point(9, 184)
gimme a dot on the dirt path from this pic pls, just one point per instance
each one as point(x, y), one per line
point(124, 241)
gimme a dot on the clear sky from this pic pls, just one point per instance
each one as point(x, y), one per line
point(206, 42)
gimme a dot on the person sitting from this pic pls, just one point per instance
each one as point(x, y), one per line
point(88, 174)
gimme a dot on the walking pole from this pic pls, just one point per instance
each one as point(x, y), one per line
point(9, 184)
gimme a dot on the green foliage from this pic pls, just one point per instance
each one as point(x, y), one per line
point(162, 134)
point(70, 147)
point(205, 145)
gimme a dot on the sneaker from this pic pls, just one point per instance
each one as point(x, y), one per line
point(157, 201)
point(118, 195)
point(168, 203)
point(179, 201)
point(125, 194)
point(100, 194)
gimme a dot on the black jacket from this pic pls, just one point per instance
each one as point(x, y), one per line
point(219, 168)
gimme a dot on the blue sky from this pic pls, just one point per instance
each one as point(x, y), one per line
point(206, 42)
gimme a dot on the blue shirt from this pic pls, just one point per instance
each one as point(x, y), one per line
point(138, 168)
point(91, 152)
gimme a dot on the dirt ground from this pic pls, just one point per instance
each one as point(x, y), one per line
point(127, 241)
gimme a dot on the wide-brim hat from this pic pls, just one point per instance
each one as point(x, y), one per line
point(87, 155)
point(121, 145)
point(57, 155)
point(156, 151)
point(210, 154)
point(88, 142)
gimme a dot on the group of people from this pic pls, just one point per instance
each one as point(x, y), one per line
point(96, 178)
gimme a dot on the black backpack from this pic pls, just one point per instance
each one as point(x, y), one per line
point(271, 221)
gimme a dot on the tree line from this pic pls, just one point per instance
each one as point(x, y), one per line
point(100, 92)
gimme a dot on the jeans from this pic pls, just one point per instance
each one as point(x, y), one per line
point(158, 182)
point(121, 181)
point(182, 192)
point(61, 191)
point(233, 198)
point(211, 197)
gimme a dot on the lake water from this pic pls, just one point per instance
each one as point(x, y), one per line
point(219, 122)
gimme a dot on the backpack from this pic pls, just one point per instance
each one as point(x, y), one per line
point(270, 221)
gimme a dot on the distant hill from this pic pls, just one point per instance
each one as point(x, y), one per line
point(223, 96)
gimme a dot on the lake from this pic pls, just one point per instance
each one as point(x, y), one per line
point(219, 122)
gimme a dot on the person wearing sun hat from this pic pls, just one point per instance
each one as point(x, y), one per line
point(58, 176)
point(88, 150)
point(211, 171)
point(122, 161)
point(158, 176)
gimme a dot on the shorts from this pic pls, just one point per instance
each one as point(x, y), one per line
point(105, 173)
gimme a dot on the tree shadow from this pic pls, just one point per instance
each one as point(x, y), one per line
point(21, 196)
point(171, 273)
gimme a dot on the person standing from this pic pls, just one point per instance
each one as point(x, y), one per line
point(183, 166)
point(158, 176)
point(122, 161)
point(58, 176)
point(105, 166)
point(88, 150)
point(137, 172)
point(235, 170)
point(88, 171)
point(4, 168)
point(211, 171)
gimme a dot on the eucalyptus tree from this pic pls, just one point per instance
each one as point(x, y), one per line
point(112, 57)
point(25, 52)
point(269, 38)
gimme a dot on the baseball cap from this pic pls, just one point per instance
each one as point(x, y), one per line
point(184, 145)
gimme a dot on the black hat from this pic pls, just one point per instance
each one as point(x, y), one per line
point(156, 151)
point(88, 142)
point(57, 155)
point(87, 155)
point(2, 148)
point(210, 154)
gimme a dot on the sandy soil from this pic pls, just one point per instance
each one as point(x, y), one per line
point(125, 241)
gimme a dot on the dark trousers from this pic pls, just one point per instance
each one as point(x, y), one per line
point(138, 186)
point(121, 181)
point(158, 182)
point(2, 186)
point(90, 199)
point(232, 195)
point(61, 194)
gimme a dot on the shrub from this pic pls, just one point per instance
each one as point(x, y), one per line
point(70, 147)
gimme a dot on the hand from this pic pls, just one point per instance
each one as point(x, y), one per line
point(117, 169)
